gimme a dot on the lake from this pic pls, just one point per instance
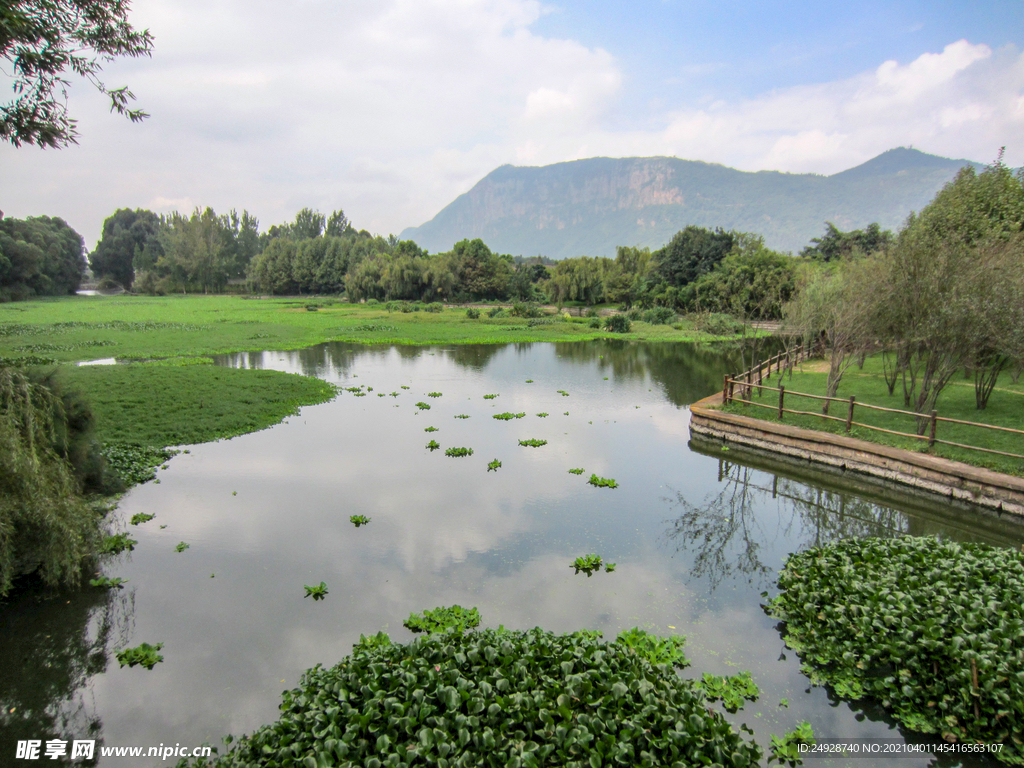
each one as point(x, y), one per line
point(697, 536)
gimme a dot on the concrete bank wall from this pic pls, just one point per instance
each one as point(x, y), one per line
point(952, 479)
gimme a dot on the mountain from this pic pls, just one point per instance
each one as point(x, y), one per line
point(587, 207)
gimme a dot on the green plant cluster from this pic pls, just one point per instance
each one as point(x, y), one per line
point(181, 546)
point(459, 452)
point(135, 464)
point(358, 520)
point(431, 429)
point(108, 583)
point(433, 445)
point(493, 465)
point(602, 482)
point(508, 416)
point(533, 443)
point(577, 471)
point(317, 592)
point(423, 406)
point(933, 630)
point(522, 699)
point(444, 619)
point(116, 544)
point(489, 397)
point(462, 416)
point(141, 517)
point(732, 691)
point(144, 655)
point(590, 564)
point(433, 394)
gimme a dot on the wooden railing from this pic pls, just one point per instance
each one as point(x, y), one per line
point(742, 386)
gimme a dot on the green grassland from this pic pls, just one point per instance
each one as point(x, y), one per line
point(91, 327)
point(867, 385)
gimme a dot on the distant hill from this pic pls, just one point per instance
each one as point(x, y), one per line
point(587, 207)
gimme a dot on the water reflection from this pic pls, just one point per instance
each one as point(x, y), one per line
point(268, 512)
point(51, 645)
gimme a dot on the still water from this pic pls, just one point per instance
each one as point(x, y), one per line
point(697, 538)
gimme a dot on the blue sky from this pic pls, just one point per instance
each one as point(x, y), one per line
point(391, 108)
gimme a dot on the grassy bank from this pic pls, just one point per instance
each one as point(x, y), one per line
point(867, 385)
point(91, 327)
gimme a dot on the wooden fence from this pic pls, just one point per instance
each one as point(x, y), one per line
point(741, 387)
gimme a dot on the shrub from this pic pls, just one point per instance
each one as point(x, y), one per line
point(635, 314)
point(372, 302)
point(594, 323)
point(434, 306)
point(617, 324)
point(521, 309)
point(719, 324)
point(496, 312)
point(473, 314)
point(659, 316)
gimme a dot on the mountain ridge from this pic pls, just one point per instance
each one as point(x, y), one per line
point(589, 206)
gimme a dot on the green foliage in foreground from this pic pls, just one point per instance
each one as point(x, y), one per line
point(442, 619)
point(135, 464)
point(151, 405)
point(731, 691)
point(590, 563)
point(933, 630)
point(116, 544)
point(143, 655)
point(106, 582)
point(493, 698)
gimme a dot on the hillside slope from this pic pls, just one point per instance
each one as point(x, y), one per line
point(587, 207)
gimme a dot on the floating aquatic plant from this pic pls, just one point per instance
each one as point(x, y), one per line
point(431, 429)
point(443, 619)
point(116, 544)
point(318, 592)
point(533, 443)
point(353, 389)
point(602, 482)
point(423, 406)
point(394, 394)
point(586, 563)
point(433, 394)
point(433, 445)
point(609, 567)
point(144, 655)
point(493, 465)
point(577, 471)
point(462, 416)
point(655, 649)
point(141, 517)
point(542, 415)
point(489, 397)
point(358, 520)
point(404, 387)
point(459, 452)
point(107, 583)
point(731, 691)
point(529, 381)
point(509, 416)
point(181, 546)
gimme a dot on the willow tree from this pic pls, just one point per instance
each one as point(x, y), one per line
point(45, 523)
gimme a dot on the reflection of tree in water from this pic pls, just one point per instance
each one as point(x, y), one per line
point(686, 372)
point(53, 643)
point(473, 356)
point(728, 531)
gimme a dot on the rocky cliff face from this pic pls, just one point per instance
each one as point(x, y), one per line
point(587, 207)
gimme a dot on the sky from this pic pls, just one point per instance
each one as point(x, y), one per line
point(389, 109)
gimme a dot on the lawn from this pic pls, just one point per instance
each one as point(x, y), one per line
point(867, 385)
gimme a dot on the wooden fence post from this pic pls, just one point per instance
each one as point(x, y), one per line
point(748, 387)
point(849, 414)
point(782, 395)
point(931, 432)
point(725, 389)
point(760, 371)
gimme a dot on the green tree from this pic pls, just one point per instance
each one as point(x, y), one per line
point(124, 234)
point(42, 40)
point(835, 244)
point(752, 282)
point(273, 270)
point(690, 253)
point(40, 256)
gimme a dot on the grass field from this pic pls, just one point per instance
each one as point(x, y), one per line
point(92, 327)
point(1005, 409)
